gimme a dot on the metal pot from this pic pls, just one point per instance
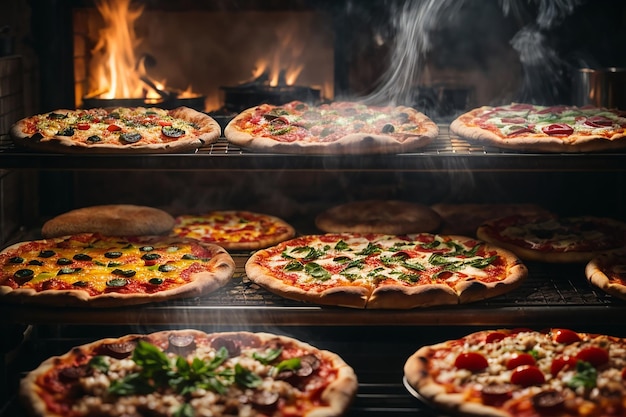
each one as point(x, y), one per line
point(603, 87)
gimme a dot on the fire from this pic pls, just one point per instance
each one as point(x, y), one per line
point(115, 70)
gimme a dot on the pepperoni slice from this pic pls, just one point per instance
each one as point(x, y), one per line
point(558, 129)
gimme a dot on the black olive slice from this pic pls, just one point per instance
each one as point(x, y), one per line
point(113, 264)
point(120, 350)
point(130, 137)
point(388, 128)
point(146, 248)
point(68, 131)
point(80, 284)
point(127, 273)
point(116, 282)
point(190, 257)
point(57, 116)
point(156, 281)
point(82, 257)
point(94, 139)
point(167, 268)
point(150, 256)
point(548, 401)
point(64, 261)
point(22, 276)
point(112, 255)
point(68, 271)
point(16, 260)
point(46, 254)
point(35, 262)
point(172, 132)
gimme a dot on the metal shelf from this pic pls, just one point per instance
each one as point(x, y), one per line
point(445, 154)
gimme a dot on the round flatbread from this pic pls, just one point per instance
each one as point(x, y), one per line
point(110, 220)
point(378, 216)
point(191, 373)
point(335, 128)
point(91, 270)
point(117, 130)
point(555, 239)
point(608, 272)
point(519, 373)
point(386, 271)
point(234, 229)
point(529, 127)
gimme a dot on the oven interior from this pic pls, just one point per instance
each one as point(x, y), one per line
point(51, 46)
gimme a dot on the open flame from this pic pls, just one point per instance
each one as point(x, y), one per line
point(115, 70)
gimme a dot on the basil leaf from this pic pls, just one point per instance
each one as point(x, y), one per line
point(268, 356)
point(341, 245)
point(185, 410)
point(370, 249)
point(150, 358)
point(317, 271)
point(293, 266)
point(246, 378)
point(131, 384)
point(99, 363)
point(585, 377)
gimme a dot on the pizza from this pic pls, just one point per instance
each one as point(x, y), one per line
point(191, 373)
point(465, 218)
point(234, 229)
point(522, 373)
point(92, 270)
point(333, 128)
point(555, 239)
point(529, 127)
point(381, 271)
point(110, 220)
point(608, 273)
point(394, 217)
point(117, 130)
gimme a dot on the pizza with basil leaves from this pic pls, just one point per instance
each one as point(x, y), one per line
point(92, 270)
point(117, 130)
point(176, 373)
point(381, 271)
point(522, 373)
point(529, 127)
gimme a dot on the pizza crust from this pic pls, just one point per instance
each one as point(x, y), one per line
point(338, 394)
point(209, 133)
point(392, 217)
point(110, 220)
point(222, 268)
point(596, 273)
point(352, 144)
point(463, 126)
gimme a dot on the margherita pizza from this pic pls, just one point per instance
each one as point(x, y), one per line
point(555, 239)
point(378, 216)
point(335, 128)
point(191, 373)
point(528, 127)
point(110, 220)
point(92, 270)
point(608, 272)
point(522, 373)
point(234, 229)
point(385, 271)
point(117, 130)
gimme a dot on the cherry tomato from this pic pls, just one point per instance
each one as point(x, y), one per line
point(472, 361)
point(558, 129)
point(114, 128)
point(594, 355)
point(561, 362)
point(527, 375)
point(82, 126)
point(519, 359)
point(494, 337)
point(565, 336)
point(598, 121)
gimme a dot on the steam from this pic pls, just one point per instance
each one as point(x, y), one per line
point(414, 22)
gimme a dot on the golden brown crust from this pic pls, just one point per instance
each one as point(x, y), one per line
point(464, 219)
point(337, 395)
point(465, 127)
point(110, 220)
point(209, 133)
point(378, 216)
point(221, 268)
point(598, 269)
point(352, 143)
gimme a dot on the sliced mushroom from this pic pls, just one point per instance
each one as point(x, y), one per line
point(120, 350)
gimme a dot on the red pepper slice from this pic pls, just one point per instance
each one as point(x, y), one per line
point(82, 126)
point(558, 129)
point(164, 123)
point(599, 121)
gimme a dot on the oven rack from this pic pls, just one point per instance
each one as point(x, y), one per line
point(553, 294)
point(445, 154)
